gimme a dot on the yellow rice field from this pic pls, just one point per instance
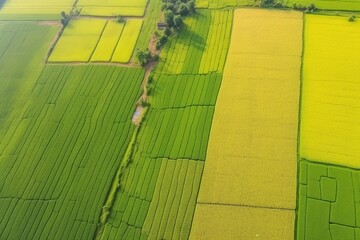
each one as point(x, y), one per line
point(35, 8)
point(330, 121)
point(252, 153)
point(213, 222)
point(112, 7)
point(127, 42)
point(108, 42)
point(255, 124)
point(78, 41)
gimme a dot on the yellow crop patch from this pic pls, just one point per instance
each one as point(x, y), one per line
point(35, 9)
point(112, 7)
point(127, 42)
point(108, 41)
point(213, 222)
point(252, 154)
point(97, 40)
point(78, 41)
point(330, 121)
point(251, 157)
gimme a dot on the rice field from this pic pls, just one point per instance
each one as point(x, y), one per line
point(34, 9)
point(221, 152)
point(125, 47)
point(58, 106)
point(159, 190)
point(58, 162)
point(202, 45)
point(104, 41)
point(22, 49)
point(135, 8)
point(108, 41)
point(260, 140)
point(329, 120)
point(217, 221)
point(328, 202)
point(149, 24)
point(218, 4)
point(78, 41)
point(349, 5)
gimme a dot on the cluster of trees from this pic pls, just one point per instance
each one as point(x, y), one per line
point(144, 57)
point(310, 8)
point(281, 4)
point(173, 13)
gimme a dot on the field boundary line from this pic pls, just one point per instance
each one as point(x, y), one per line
point(246, 206)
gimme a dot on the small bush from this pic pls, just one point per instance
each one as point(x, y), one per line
point(352, 18)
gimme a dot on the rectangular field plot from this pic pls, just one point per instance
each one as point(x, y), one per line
point(329, 199)
point(218, 4)
point(256, 114)
point(179, 91)
point(97, 40)
point(23, 47)
point(78, 41)
point(59, 161)
point(350, 5)
point(330, 120)
point(125, 47)
point(34, 9)
point(108, 41)
point(202, 45)
point(112, 7)
point(213, 222)
point(252, 154)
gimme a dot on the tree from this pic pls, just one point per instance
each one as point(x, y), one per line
point(169, 18)
point(143, 57)
point(191, 6)
point(352, 18)
point(120, 19)
point(168, 6)
point(64, 18)
point(183, 9)
point(178, 21)
point(168, 31)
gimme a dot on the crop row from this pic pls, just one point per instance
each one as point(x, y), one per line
point(61, 157)
point(204, 36)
